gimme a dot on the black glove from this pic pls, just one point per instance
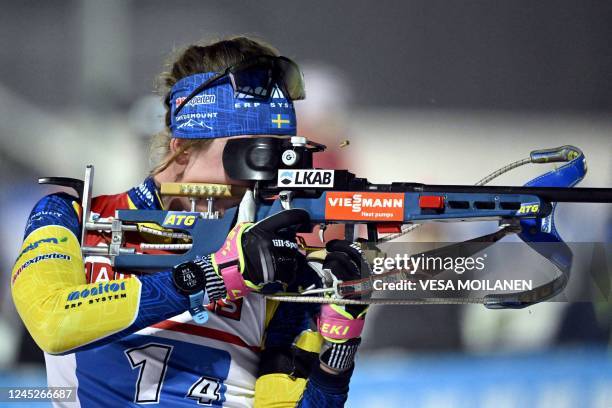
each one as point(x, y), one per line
point(341, 325)
point(271, 251)
point(346, 262)
point(262, 257)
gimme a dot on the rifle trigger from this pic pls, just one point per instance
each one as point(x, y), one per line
point(285, 199)
point(322, 229)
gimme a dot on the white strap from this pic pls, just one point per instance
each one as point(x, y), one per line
point(246, 210)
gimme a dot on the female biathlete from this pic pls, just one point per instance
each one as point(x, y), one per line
point(125, 340)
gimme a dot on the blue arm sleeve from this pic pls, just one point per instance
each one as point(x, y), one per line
point(325, 390)
point(159, 300)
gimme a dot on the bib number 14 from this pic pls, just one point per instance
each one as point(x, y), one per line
point(152, 362)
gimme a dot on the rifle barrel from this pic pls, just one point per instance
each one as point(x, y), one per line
point(550, 194)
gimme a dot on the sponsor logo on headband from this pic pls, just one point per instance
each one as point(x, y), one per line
point(195, 120)
point(197, 100)
point(239, 105)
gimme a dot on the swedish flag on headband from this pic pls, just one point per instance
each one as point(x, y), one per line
point(280, 121)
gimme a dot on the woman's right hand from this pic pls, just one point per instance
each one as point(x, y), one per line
point(262, 257)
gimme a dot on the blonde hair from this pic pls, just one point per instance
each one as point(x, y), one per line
point(160, 156)
point(197, 58)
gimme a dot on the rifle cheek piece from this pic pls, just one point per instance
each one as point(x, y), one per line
point(260, 158)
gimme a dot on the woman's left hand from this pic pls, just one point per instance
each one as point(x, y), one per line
point(341, 325)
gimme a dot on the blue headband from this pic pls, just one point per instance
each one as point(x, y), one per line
point(217, 112)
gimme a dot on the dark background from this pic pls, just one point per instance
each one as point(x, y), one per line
point(505, 55)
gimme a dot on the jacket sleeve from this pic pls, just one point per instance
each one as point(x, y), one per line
point(64, 313)
point(325, 390)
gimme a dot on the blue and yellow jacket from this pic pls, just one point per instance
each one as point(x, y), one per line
point(128, 340)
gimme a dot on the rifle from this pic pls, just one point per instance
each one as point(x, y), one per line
point(282, 175)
